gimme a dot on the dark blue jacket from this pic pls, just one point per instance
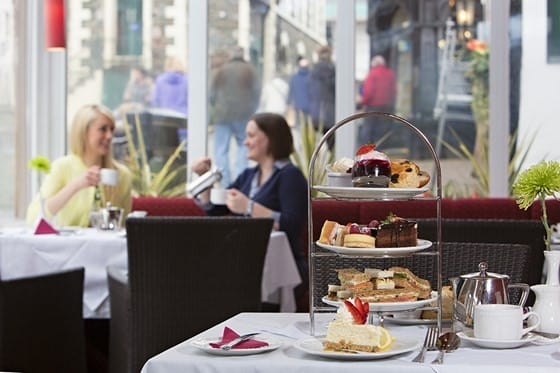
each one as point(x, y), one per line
point(299, 90)
point(284, 192)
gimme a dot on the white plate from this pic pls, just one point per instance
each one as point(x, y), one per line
point(370, 193)
point(496, 343)
point(204, 345)
point(377, 251)
point(387, 306)
point(314, 346)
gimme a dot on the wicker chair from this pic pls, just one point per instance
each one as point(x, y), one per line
point(41, 323)
point(529, 232)
point(458, 258)
point(185, 275)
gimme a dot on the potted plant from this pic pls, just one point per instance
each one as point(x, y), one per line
point(540, 182)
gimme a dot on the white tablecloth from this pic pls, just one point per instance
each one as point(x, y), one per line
point(23, 254)
point(469, 358)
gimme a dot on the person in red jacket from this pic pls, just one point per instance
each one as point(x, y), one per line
point(379, 93)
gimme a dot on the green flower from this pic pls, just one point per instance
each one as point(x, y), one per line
point(539, 181)
point(40, 164)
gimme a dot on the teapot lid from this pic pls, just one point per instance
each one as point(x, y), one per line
point(483, 274)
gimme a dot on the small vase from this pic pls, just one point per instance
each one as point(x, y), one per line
point(552, 261)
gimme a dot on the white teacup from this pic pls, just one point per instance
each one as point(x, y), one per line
point(502, 322)
point(109, 176)
point(218, 196)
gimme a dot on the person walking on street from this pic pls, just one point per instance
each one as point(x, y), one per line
point(378, 94)
point(321, 92)
point(234, 97)
point(298, 95)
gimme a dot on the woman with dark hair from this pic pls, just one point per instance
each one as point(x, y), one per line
point(273, 188)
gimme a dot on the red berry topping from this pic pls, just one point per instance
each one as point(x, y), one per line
point(374, 223)
point(359, 311)
point(364, 149)
point(354, 228)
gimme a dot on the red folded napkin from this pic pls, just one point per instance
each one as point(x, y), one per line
point(43, 227)
point(229, 335)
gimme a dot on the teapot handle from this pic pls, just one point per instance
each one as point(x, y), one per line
point(524, 292)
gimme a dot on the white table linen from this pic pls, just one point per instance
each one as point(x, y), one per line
point(469, 358)
point(23, 254)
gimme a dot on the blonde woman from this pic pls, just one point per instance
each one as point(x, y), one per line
point(69, 189)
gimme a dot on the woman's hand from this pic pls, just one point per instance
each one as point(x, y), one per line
point(89, 178)
point(201, 165)
point(236, 201)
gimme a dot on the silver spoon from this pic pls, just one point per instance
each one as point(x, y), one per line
point(447, 342)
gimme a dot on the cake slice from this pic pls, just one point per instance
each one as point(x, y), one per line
point(349, 330)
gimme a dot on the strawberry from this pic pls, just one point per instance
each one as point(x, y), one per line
point(365, 149)
point(357, 312)
point(359, 305)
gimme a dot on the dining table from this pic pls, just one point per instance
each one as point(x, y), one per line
point(292, 348)
point(25, 254)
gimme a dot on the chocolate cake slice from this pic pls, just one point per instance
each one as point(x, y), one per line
point(398, 233)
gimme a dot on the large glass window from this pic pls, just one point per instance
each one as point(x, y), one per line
point(7, 112)
point(553, 31)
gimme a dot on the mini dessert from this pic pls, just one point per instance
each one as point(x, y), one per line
point(396, 232)
point(359, 240)
point(372, 169)
point(446, 305)
point(349, 330)
point(407, 174)
point(343, 165)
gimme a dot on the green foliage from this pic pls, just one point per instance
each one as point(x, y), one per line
point(538, 182)
point(309, 140)
point(167, 182)
point(480, 167)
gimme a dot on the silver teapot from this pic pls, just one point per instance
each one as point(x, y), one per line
point(482, 287)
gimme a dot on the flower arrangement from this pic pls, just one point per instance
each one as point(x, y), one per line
point(41, 165)
point(538, 182)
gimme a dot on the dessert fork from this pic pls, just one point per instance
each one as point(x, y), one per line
point(228, 346)
point(429, 344)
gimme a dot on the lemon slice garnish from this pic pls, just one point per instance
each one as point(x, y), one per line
point(386, 339)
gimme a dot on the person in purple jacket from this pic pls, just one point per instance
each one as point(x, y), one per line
point(171, 88)
point(274, 188)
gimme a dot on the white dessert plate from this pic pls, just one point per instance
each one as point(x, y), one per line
point(314, 346)
point(204, 345)
point(496, 343)
point(387, 306)
point(377, 251)
point(370, 193)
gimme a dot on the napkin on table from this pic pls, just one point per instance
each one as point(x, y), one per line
point(229, 335)
point(43, 227)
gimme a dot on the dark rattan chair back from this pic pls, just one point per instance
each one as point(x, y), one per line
point(41, 323)
point(528, 232)
point(186, 274)
point(458, 258)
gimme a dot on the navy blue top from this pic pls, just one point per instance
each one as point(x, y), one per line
point(285, 192)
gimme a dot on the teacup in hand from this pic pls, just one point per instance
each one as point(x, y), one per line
point(109, 176)
point(218, 196)
point(501, 322)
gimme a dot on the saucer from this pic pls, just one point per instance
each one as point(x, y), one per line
point(497, 343)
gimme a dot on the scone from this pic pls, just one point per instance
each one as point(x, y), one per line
point(407, 174)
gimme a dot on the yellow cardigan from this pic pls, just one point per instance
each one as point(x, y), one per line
point(77, 209)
